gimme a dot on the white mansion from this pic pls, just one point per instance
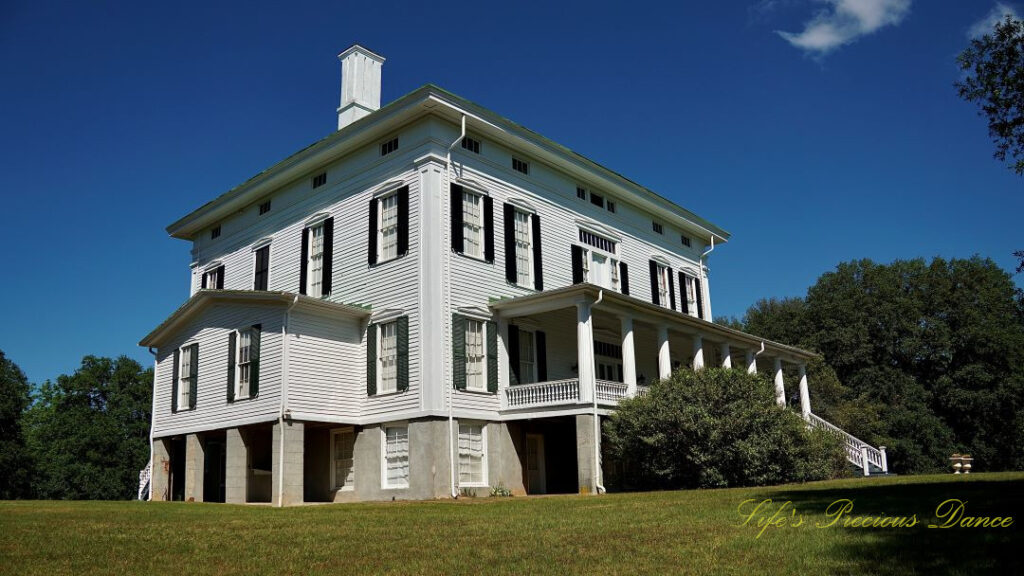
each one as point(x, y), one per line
point(429, 301)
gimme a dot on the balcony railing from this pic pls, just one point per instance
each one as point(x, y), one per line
point(561, 392)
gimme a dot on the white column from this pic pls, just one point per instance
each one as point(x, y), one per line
point(726, 355)
point(780, 385)
point(664, 357)
point(698, 352)
point(751, 362)
point(585, 351)
point(628, 356)
point(805, 395)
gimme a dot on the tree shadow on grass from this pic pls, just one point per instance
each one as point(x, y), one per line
point(920, 549)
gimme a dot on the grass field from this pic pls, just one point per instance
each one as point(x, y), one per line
point(697, 532)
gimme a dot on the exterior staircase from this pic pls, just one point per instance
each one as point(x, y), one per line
point(864, 457)
point(145, 476)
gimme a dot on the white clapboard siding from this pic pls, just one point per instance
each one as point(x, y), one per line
point(326, 366)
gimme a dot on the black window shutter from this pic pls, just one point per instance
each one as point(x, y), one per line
point(220, 277)
point(577, 264)
point(458, 352)
point(402, 336)
point(541, 342)
point(203, 285)
point(513, 354)
point(511, 274)
point(232, 342)
point(700, 298)
point(304, 255)
point(624, 278)
point(174, 380)
point(492, 356)
point(538, 268)
point(371, 360)
point(325, 286)
point(193, 377)
point(671, 291)
point(488, 229)
point(683, 298)
point(371, 240)
point(254, 360)
point(654, 282)
point(403, 220)
point(456, 218)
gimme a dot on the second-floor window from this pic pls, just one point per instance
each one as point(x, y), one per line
point(261, 271)
point(315, 261)
point(388, 358)
point(472, 224)
point(388, 241)
point(527, 358)
point(476, 355)
point(389, 226)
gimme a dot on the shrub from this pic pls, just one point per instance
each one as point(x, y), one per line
point(716, 428)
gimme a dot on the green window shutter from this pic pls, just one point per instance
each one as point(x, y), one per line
point(254, 360)
point(402, 335)
point(232, 341)
point(492, 357)
point(174, 380)
point(194, 379)
point(371, 360)
point(458, 352)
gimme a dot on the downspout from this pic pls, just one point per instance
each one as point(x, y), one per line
point(152, 417)
point(448, 267)
point(598, 485)
point(284, 394)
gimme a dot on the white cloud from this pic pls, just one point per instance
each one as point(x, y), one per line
point(844, 21)
point(996, 15)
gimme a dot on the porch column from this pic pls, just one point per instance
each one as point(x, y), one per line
point(805, 395)
point(664, 355)
point(780, 386)
point(751, 362)
point(628, 356)
point(289, 473)
point(726, 355)
point(698, 352)
point(195, 462)
point(585, 351)
point(236, 468)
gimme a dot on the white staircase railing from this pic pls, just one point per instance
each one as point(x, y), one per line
point(145, 477)
point(858, 452)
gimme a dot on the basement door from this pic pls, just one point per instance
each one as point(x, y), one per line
point(536, 478)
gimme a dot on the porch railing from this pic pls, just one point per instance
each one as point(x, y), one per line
point(544, 393)
point(609, 391)
point(857, 451)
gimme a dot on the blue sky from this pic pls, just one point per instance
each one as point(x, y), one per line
point(815, 131)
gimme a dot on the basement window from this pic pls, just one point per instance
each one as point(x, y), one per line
point(658, 227)
point(471, 145)
point(389, 147)
point(520, 166)
point(264, 207)
point(320, 179)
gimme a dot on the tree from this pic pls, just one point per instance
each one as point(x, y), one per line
point(14, 456)
point(994, 64)
point(717, 427)
point(90, 430)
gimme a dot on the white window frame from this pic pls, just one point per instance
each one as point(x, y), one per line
point(664, 287)
point(523, 278)
point(384, 455)
point(387, 364)
point(387, 227)
point(482, 387)
point(612, 263)
point(184, 374)
point(335, 433)
point(475, 226)
point(315, 260)
point(690, 293)
point(240, 334)
point(483, 482)
point(532, 365)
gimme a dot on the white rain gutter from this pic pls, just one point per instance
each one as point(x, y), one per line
point(284, 394)
point(451, 387)
point(598, 485)
point(152, 415)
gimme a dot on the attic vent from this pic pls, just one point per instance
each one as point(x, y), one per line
point(520, 166)
point(264, 207)
point(611, 206)
point(581, 193)
point(471, 145)
point(658, 227)
point(320, 179)
point(685, 240)
point(215, 232)
point(389, 147)
point(597, 200)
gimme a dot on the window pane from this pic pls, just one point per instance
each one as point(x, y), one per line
point(388, 226)
point(472, 224)
point(526, 358)
point(471, 454)
point(397, 456)
point(388, 357)
point(315, 263)
point(344, 445)
point(524, 253)
point(475, 355)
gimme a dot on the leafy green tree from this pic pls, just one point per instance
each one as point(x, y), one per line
point(15, 463)
point(714, 428)
point(90, 430)
point(994, 64)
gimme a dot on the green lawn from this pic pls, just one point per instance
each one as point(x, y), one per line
point(658, 532)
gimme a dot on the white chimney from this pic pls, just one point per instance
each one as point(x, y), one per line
point(360, 84)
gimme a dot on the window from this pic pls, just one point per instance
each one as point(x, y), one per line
point(471, 145)
point(215, 232)
point(663, 290)
point(690, 293)
point(262, 269)
point(315, 261)
point(243, 366)
point(611, 206)
point(520, 166)
point(597, 200)
point(264, 207)
point(320, 179)
point(388, 228)
point(343, 443)
point(527, 358)
point(214, 278)
point(657, 227)
point(389, 147)
point(600, 266)
point(387, 374)
point(685, 240)
point(581, 193)
point(472, 224)
point(596, 241)
point(396, 457)
point(472, 455)
point(185, 377)
point(476, 355)
point(524, 249)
